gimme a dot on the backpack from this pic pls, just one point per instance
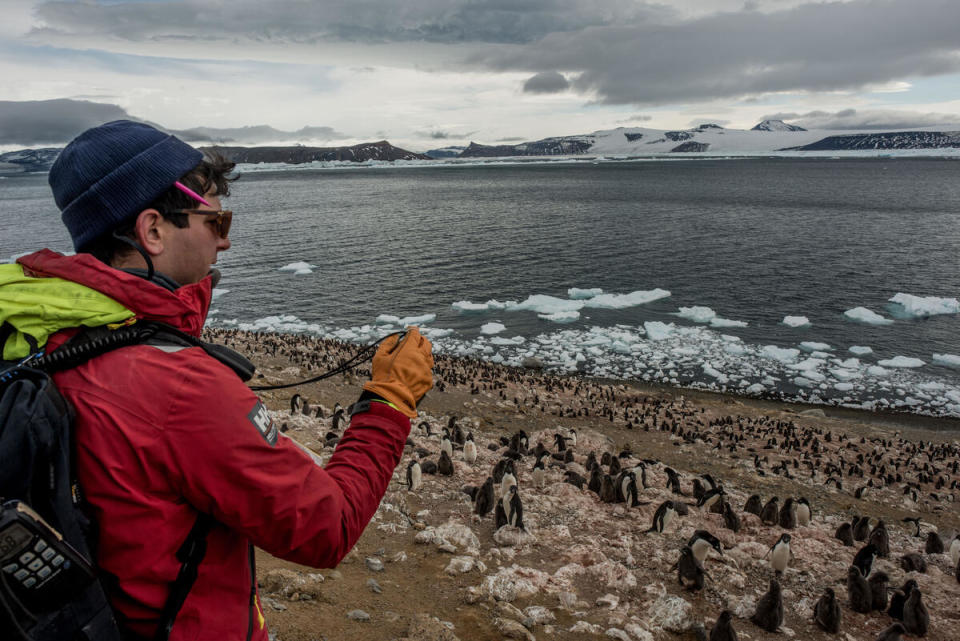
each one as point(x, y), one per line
point(49, 587)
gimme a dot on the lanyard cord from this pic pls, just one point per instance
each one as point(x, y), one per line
point(364, 355)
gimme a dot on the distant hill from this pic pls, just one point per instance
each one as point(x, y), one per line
point(889, 140)
point(28, 160)
point(562, 146)
point(776, 125)
point(445, 152)
point(363, 152)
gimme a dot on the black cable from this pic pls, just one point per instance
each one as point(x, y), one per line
point(364, 355)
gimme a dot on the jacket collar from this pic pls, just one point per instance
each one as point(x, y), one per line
point(184, 308)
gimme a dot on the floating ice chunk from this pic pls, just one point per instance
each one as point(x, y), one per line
point(622, 301)
point(864, 315)
point(861, 350)
point(434, 334)
point(727, 338)
point(543, 304)
point(726, 322)
point(735, 349)
point(802, 381)
point(465, 306)
point(782, 354)
point(657, 331)
point(492, 328)
point(697, 314)
point(796, 321)
point(843, 387)
point(217, 292)
point(922, 306)
point(560, 317)
point(709, 370)
point(876, 370)
point(950, 360)
point(901, 361)
point(811, 346)
point(575, 293)
point(516, 340)
point(844, 374)
point(298, 268)
point(756, 388)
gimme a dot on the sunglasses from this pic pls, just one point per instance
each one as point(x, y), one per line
point(223, 218)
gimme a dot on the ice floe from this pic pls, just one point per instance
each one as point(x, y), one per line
point(950, 360)
point(864, 315)
point(860, 350)
point(901, 361)
point(908, 306)
point(796, 321)
point(388, 319)
point(298, 268)
point(492, 328)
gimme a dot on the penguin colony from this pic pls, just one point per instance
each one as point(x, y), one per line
point(919, 473)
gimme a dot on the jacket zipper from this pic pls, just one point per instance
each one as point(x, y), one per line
point(253, 592)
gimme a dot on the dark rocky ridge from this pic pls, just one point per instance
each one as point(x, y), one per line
point(363, 152)
point(546, 147)
point(28, 160)
point(886, 140)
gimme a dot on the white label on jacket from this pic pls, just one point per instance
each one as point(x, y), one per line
point(261, 420)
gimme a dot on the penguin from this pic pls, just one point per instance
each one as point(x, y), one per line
point(628, 488)
point(445, 464)
point(880, 539)
point(913, 562)
point(934, 544)
point(771, 512)
point(698, 490)
point(826, 613)
point(663, 516)
point(485, 498)
point(428, 467)
point(572, 438)
point(753, 505)
point(730, 519)
point(470, 450)
point(864, 559)
point(916, 618)
point(574, 479)
point(899, 599)
point(596, 480)
point(701, 542)
point(723, 628)
point(615, 467)
point(591, 460)
point(845, 534)
point(673, 481)
point(916, 524)
point(858, 591)
point(861, 528)
point(780, 554)
point(445, 444)
point(955, 550)
point(803, 512)
point(503, 466)
point(560, 442)
point(296, 404)
point(499, 515)
point(458, 436)
point(414, 475)
point(690, 572)
point(539, 473)
point(710, 498)
point(788, 516)
point(508, 481)
point(608, 492)
point(769, 613)
point(894, 632)
point(878, 590)
point(514, 508)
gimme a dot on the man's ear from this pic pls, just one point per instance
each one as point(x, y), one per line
point(149, 232)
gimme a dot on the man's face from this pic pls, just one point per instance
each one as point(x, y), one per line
point(191, 250)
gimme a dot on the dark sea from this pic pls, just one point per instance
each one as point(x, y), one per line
point(585, 266)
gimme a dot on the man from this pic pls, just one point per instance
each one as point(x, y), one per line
point(165, 434)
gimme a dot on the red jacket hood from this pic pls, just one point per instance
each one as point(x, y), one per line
point(186, 308)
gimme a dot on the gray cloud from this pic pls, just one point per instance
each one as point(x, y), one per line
point(546, 82)
point(438, 134)
point(867, 119)
point(52, 122)
point(636, 118)
point(257, 134)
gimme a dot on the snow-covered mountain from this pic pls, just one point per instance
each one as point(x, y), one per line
point(776, 125)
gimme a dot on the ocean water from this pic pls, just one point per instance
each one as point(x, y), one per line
point(752, 240)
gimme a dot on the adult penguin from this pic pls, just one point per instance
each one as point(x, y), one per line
point(934, 544)
point(955, 550)
point(690, 572)
point(673, 481)
point(878, 590)
point(730, 519)
point(771, 512)
point(788, 515)
point(858, 591)
point(880, 538)
point(514, 508)
point(780, 554)
point(826, 613)
point(710, 498)
point(861, 528)
point(627, 488)
point(509, 480)
point(445, 445)
point(916, 619)
point(864, 559)
point(894, 632)
point(723, 628)
point(899, 599)
point(803, 512)
point(470, 450)
point(663, 516)
point(701, 542)
point(539, 473)
point(414, 475)
point(608, 491)
point(845, 534)
point(753, 505)
point(485, 498)
point(560, 442)
point(445, 464)
point(769, 613)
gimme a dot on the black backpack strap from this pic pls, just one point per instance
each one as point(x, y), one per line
point(190, 555)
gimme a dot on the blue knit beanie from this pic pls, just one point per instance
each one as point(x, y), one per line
point(112, 172)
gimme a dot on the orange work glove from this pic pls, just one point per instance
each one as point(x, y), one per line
point(402, 373)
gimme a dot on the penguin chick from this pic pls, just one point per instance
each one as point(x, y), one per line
point(913, 562)
point(723, 628)
point(663, 516)
point(608, 493)
point(858, 591)
point(485, 498)
point(730, 519)
point(690, 572)
point(445, 464)
point(769, 613)
point(893, 633)
point(899, 599)
point(916, 619)
point(770, 512)
point(826, 613)
point(878, 590)
point(845, 534)
point(753, 505)
point(861, 528)
point(414, 475)
point(788, 517)
point(780, 554)
point(864, 559)
point(701, 542)
point(880, 539)
point(934, 544)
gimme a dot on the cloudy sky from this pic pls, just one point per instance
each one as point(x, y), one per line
point(431, 73)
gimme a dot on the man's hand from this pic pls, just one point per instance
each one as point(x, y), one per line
point(402, 372)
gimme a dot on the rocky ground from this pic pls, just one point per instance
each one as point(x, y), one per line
point(428, 568)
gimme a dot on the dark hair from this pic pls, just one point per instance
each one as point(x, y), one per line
point(212, 172)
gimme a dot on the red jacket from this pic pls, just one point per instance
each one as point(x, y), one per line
point(162, 436)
